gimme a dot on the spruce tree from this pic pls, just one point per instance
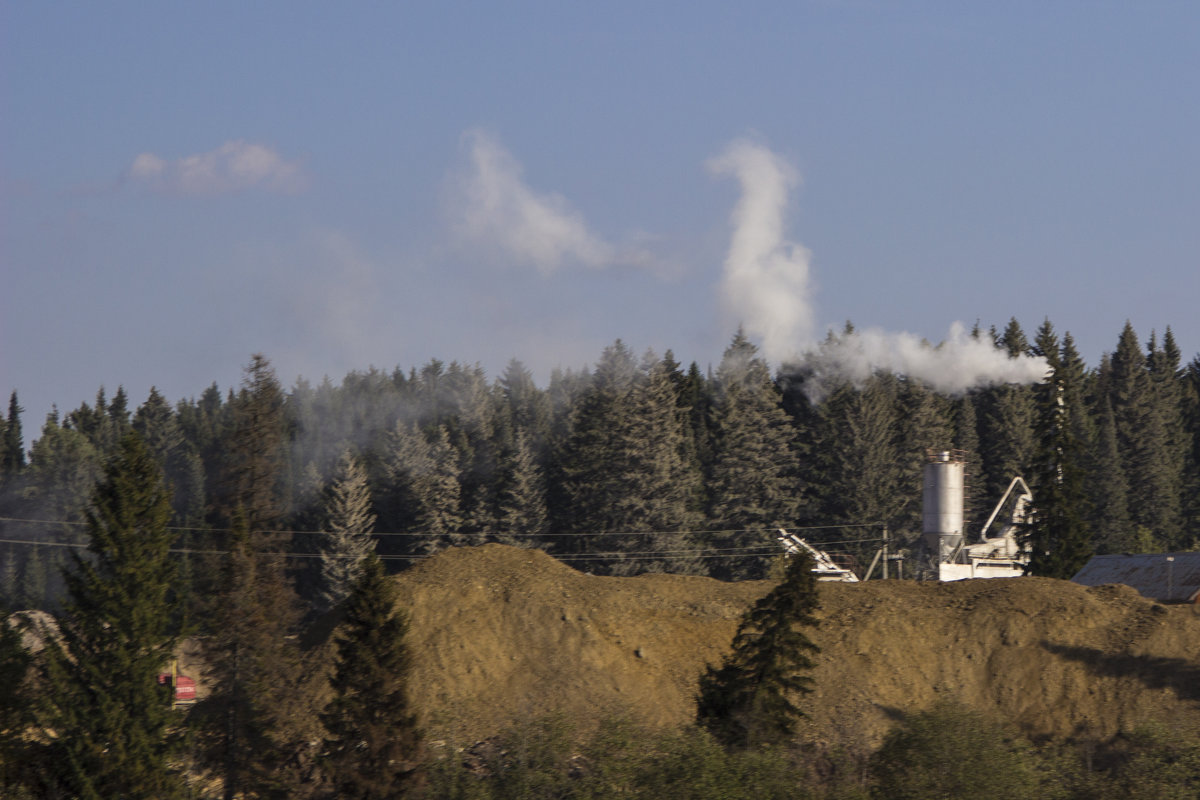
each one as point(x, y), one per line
point(1113, 532)
point(110, 717)
point(247, 722)
point(1152, 467)
point(255, 465)
point(753, 483)
point(1058, 535)
point(349, 522)
point(18, 757)
point(966, 439)
point(863, 475)
point(13, 447)
point(749, 701)
point(522, 496)
point(372, 746)
point(599, 477)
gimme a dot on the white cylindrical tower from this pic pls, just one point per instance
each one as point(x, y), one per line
point(945, 472)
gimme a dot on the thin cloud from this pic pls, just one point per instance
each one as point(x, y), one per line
point(233, 167)
point(496, 209)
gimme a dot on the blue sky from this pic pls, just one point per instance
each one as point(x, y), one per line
point(379, 184)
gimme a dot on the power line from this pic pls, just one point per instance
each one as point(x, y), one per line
point(428, 534)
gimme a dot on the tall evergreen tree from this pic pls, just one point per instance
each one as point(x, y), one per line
point(966, 439)
point(598, 472)
point(349, 522)
point(1058, 536)
point(423, 487)
point(19, 767)
point(1113, 532)
point(110, 717)
point(523, 510)
point(256, 477)
point(1147, 453)
point(753, 484)
point(864, 473)
point(666, 500)
point(1190, 397)
point(373, 746)
point(248, 721)
point(13, 448)
point(749, 700)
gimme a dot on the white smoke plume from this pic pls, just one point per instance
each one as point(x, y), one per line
point(499, 210)
point(766, 287)
point(766, 281)
point(959, 363)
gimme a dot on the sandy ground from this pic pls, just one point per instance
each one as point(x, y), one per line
point(500, 635)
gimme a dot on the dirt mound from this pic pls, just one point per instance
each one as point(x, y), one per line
point(501, 634)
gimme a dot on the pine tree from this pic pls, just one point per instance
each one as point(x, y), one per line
point(1113, 532)
point(863, 468)
point(666, 500)
point(13, 447)
point(522, 496)
point(349, 523)
point(753, 483)
point(749, 701)
point(1152, 469)
point(110, 716)
point(966, 439)
point(423, 487)
point(255, 466)
point(1058, 536)
point(598, 474)
point(19, 760)
point(254, 668)
point(373, 746)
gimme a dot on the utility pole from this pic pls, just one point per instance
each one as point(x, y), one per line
point(885, 551)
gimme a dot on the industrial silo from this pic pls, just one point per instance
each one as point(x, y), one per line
point(942, 506)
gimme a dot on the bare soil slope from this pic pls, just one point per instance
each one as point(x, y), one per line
point(502, 635)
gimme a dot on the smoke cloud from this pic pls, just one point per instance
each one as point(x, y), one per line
point(766, 281)
point(499, 210)
point(766, 287)
point(959, 363)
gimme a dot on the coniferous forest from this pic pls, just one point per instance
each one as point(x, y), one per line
point(247, 512)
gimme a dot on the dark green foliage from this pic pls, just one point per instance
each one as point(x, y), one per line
point(373, 747)
point(749, 701)
point(966, 439)
point(549, 758)
point(753, 482)
point(12, 446)
point(252, 721)
point(1156, 763)
point(15, 709)
point(863, 478)
point(117, 634)
point(1112, 529)
point(953, 753)
point(256, 478)
point(1060, 542)
point(1142, 410)
point(522, 502)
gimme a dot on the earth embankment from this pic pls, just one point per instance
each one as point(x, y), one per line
point(500, 635)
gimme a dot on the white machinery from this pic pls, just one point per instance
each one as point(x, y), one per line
point(998, 557)
point(823, 566)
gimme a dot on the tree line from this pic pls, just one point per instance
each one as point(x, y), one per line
point(636, 464)
point(240, 519)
